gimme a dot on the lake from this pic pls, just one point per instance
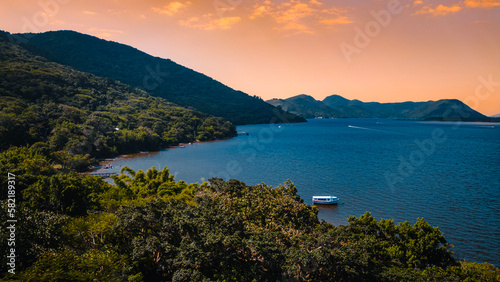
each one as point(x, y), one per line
point(446, 173)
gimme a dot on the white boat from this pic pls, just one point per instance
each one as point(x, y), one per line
point(325, 200)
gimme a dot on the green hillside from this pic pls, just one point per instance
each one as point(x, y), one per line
point(160, 77)
point(78, 116)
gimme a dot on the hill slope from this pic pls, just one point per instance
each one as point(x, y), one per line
point(160, 77)
point(305, 106)
point(338, 106)
point(80, 116)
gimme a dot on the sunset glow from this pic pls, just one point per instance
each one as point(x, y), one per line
point(380, 50)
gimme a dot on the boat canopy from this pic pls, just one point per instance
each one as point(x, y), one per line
point(324, 198)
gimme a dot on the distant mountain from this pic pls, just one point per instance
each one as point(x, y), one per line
point(160, 77)
point(338, 106)
point(496, 116)
point(305, 106)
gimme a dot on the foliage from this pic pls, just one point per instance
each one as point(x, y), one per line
point(36, 232)
point(140, 187)
point(28, 164)
point(69, 194)
point(94, 265)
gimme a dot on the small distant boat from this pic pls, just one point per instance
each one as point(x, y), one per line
point(181, 146)
point(325, 200)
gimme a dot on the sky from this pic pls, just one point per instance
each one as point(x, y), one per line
point(371, 50)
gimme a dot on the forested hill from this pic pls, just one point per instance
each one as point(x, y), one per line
point(160, 77)
point(78, 116)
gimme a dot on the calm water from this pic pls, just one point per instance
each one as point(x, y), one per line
point(447, 173)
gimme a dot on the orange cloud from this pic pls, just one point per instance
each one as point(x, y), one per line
point(340, 20)
point(89, 13)
point(481, 3)
point(261, 10)
point(104, 33)
point(225, 23)
point(289, 14)
point(300, 28)
point(172, 8)
point(315, 2)
point(297, 11)
point(418, 2)
point(206, 23)
point(439, 10)
point(299, 15)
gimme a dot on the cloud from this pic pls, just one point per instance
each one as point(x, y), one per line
point(89, 13)
point(299, 15)
point(207, 23)
point(172, 8)
point(482, 3)
point(104, 33)
point(300, 28)
point(334, 16)
point(315, 2)
point(261, 10)
point(439, 10)
point(445, 10)
point(293, 12)
point(339, 20)
point(225, 23)
point(288, 15)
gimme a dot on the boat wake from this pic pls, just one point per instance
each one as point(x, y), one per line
point(364, 128)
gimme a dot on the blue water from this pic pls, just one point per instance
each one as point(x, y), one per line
point(446, 173)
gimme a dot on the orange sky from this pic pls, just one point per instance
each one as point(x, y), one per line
point(380, 50)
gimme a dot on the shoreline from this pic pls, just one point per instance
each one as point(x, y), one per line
point(98, 169)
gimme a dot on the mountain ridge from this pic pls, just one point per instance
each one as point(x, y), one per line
point(159, 77)
point(446, 109)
